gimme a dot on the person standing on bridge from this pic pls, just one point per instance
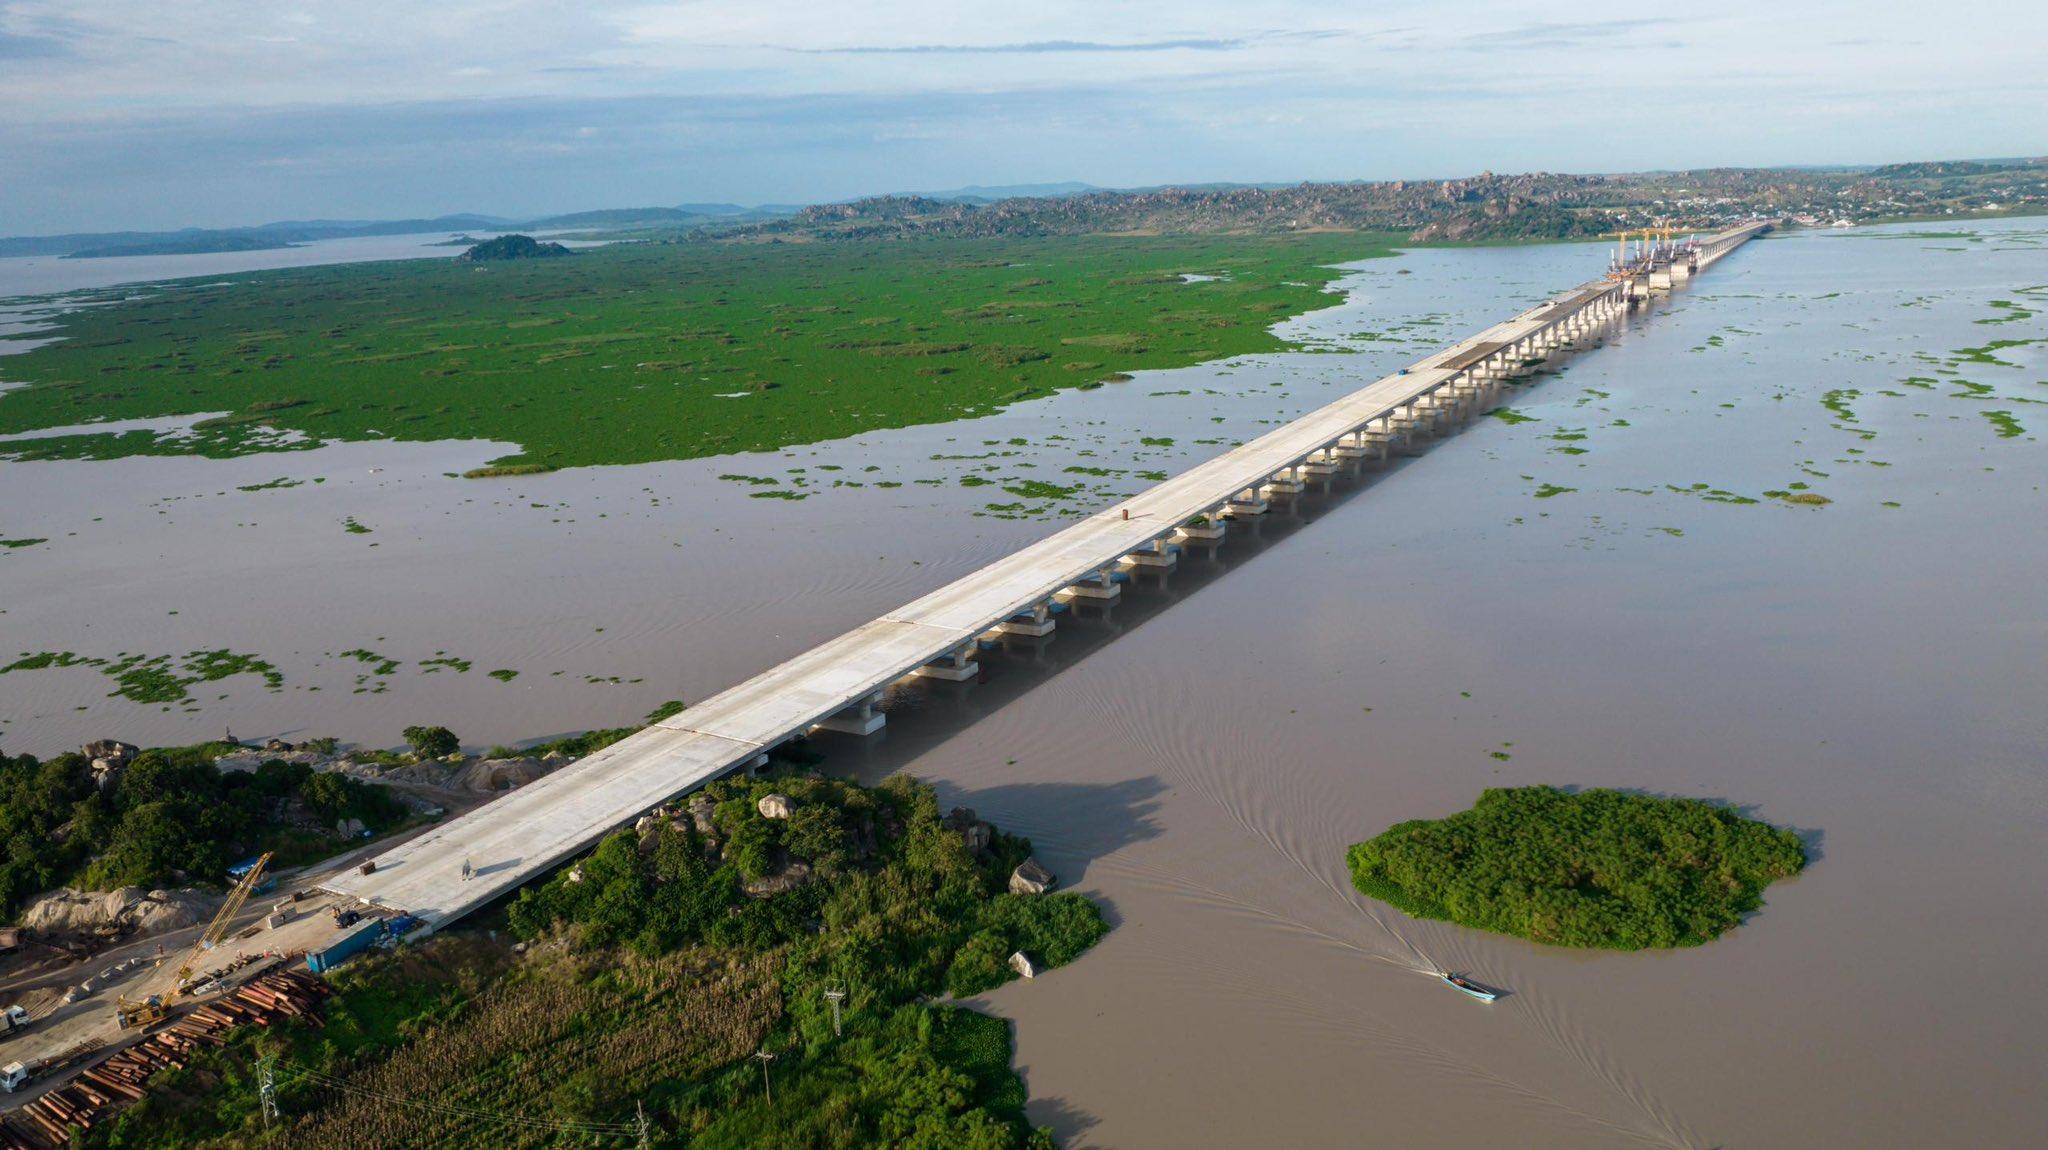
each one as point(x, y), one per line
point(466, 872)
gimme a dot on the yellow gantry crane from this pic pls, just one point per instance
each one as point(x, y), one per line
point(1652, 242)
point(152, 1009)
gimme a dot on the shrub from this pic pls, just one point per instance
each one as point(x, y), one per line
point(432, 742)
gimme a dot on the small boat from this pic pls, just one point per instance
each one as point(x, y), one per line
point(1463, 985)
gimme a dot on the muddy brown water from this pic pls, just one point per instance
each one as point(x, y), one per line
point(1200, 757)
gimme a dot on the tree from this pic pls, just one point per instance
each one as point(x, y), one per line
point(432, 742)
point(327, 795)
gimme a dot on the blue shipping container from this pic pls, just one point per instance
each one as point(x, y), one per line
point(354, 942)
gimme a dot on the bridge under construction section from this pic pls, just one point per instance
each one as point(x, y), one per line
point(472, 860)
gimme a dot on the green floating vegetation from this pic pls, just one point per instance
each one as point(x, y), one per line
point(14, 543)
point(273, 485)
point(1551, 490)
point(354, 528)
point(1593, 868)
point(1510, 416)
point(1797, 493)
point(1712, 494)
point(498, 470)
point(1039, 489)
point(2005, 424)
point(644, 352)
point(156, 678)
point(380, 665)
point(504, 675)
point(1837, 401)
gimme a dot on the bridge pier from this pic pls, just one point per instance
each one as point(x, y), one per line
point(1158, 555)
point(1035, 623)
point(957, 666)
point(1246, 504)
point(860, 719)
point(1285, 483)
point(1100, 585)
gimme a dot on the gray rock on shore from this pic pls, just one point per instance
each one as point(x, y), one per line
point(1031, 878)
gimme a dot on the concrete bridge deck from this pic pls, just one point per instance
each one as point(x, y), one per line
point(524, 834)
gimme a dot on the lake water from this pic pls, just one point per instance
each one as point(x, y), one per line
point(1868, 672)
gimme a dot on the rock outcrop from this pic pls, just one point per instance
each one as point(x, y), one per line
point(775, 806)
point(972, 831)
point(129, 910)
point(108, 756)
point(793, 875)
point(1031, 878)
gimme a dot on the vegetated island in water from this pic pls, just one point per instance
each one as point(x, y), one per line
point(792, 919)
point(513, 247)
point(1592, 868)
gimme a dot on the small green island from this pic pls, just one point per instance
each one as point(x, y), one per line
point(1591, 868)
point(513, 247)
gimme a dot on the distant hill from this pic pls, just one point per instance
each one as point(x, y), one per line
point(199, 245)
point(277, 235)
point(617, 217)
point(513, 247)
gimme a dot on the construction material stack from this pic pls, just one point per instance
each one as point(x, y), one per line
point(124, 1078)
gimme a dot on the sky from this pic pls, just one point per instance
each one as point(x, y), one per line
point(153, 114)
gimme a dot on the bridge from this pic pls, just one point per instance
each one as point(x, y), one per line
point(839, 686)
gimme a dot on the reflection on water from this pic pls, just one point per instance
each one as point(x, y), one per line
point(1200, 757)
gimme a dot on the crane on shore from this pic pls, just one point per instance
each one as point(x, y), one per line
point(135, 1013)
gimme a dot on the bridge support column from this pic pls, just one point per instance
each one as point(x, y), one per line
point(1285, 483)
point(957, 667)
point(1246, 504)
point(1035, 623)
point(860, 719)
point(1158, 555)
point(1100, 586)
point(1208, 530)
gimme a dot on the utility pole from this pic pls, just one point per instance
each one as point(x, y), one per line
point(267, 1088)
point(766, 1091)
point(835, 997)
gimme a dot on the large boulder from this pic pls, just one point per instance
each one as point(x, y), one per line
point(1022, 964)
point(108, 757)
point(792, 876)
point(775, 806)
point(972, 831)
point(1031, 878)
point(701, 807)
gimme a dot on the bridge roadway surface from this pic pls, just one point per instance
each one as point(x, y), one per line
point(525, 833)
